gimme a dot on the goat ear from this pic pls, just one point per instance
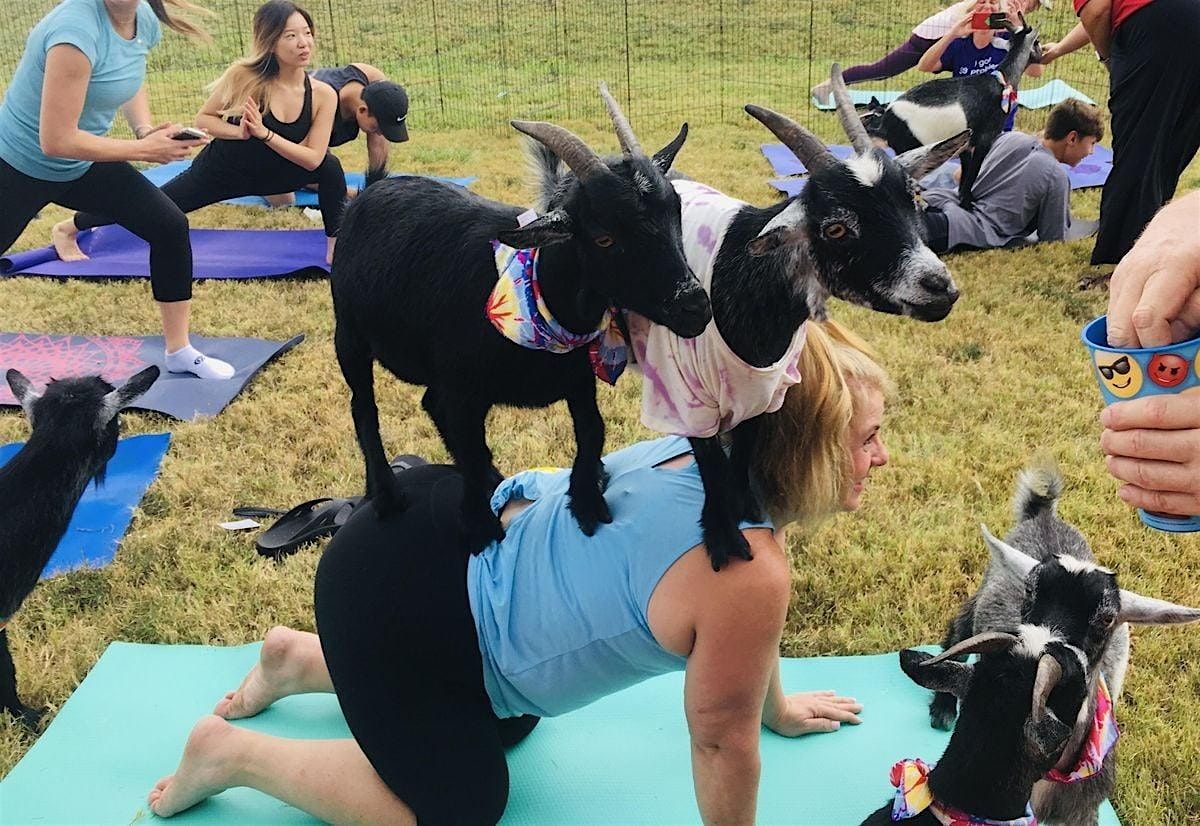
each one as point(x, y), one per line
point(1018, 563)
point(22, 390)
point(921, 161)
point(1045, 738)
point(949, 676)
point(665, 157)
point(1142, 610)
point(550, 229)
point(120, 398)
point(785, 228)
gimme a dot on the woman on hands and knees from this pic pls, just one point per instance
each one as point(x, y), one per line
point(440, 660)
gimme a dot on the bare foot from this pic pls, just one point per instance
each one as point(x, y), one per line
point(275, 675)
point(329, 242)
point(65, 238)
point(205, 769)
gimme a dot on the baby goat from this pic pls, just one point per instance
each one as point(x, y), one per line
point(853, 231)
point(415, 288)
point(75, 428)
point(1054, 581)
point(939, 108)
point(1017, 704)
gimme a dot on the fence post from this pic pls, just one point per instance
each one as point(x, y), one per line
point(337, 55)
point(437, 59)
point(811, 21)
point(628, 73)
point(721, 47)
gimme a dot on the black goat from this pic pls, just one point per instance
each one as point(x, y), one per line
point(75, 427)
point(939, 108)
point(1018, 702)
point(1054, 581)
point(411, 280)
point(854, 231)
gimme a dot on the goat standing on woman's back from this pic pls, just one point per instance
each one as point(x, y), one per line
point(75, 429)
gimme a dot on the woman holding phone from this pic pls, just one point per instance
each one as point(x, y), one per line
point(270, 123)
point(85, 60)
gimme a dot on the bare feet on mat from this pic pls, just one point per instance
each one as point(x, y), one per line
point(65, 239)
point(207, 768)
point(276, 674)
point(329, 242)
point(821, 92)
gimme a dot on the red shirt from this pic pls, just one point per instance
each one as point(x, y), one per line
point(1121, 9)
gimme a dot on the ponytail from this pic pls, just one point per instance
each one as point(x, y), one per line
point(179, 24)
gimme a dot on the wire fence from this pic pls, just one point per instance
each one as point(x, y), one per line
point(474, 64)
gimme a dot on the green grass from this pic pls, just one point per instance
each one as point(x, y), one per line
point(1003, 378)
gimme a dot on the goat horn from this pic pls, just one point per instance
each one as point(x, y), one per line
point(1049, 672)
point(1142, 610)
point(569, 147)
point(986, 643)
point(629, 142)
point(851, 123)
point(806, 146)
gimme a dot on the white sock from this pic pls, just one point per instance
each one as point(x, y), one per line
point(190, 360)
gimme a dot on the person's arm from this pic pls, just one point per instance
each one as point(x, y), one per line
point(1154, 295)
point(1096, 17)
point(210, 120)
point(374, 75)
point(68, 71)
point(809, 712)
point(1075, 40)
point(137, 113)
point(931, 61)
point(1153, 445)
point(1054, 211)
point(1034, 70)
point(310, 152)
point(738, 625)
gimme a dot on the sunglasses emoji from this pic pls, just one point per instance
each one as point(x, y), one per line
point(1119, 374)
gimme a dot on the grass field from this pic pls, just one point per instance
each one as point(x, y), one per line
point(1003, 378)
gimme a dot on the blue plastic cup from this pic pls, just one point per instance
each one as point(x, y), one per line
point(1133, 373)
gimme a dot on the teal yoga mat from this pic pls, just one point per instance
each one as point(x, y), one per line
point(621, 760)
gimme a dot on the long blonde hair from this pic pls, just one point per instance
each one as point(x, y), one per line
point(802, 462)
point(179, 24)
point(251, 76)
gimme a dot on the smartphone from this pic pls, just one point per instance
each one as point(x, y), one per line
point(189, 133)
point(985, 20)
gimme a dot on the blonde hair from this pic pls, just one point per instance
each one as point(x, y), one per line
point(251, 76)
point(179, 24)
point(802, 460)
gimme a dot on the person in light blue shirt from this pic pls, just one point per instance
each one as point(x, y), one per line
point(82, 62)
point(440, 659)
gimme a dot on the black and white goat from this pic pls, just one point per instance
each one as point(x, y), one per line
point(1018, 701)
point(935, 110)
point(1054, 582)
point(854, 231)
point(412, 276)
point(75, 428)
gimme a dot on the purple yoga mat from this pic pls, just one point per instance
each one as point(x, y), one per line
point(217, 253)
point(116, 358)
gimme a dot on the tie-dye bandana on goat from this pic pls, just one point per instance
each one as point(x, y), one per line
point(1100, 742)
point(517, 310)
point(913, 796)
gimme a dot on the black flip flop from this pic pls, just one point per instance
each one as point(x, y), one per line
point(304, 523)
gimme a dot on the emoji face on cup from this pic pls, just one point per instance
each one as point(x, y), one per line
point(1120, 374)
point(1167, 369)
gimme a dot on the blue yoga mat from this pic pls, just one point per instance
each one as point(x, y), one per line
point(622, 760)
point(116, 358)
point(159, 175)
point(1049, 94)
point(115, 252)
point(103, 513)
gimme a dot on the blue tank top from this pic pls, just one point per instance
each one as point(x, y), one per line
point(561, 617)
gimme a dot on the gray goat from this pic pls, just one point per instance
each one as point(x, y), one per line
point(1055, 581)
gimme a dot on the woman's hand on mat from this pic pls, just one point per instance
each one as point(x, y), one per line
point(810, 712)
point(1153, 445)
point(1154, 295)
point(159, 147)
point(252, 125)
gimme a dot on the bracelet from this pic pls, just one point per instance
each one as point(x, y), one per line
point(269, 136)
point(141, 130)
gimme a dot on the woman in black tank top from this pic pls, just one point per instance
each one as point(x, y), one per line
point(256, 148)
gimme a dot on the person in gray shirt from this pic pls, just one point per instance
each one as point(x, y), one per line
point(1021, 187)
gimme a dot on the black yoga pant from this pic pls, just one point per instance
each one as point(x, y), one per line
point(937, 229)
point(119, 190)
point(900, 59)
point(206, 183)
point(400, 643)
point(1155, 104)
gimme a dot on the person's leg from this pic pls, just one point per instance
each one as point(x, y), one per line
point(329, 779)
point(331, 196)
point(900, 59)
point(290, 662)
point(23, 198)
point(937, 229)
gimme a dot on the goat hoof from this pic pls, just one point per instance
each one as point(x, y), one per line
point(590, 514)
point(721, 549)
point(30, 718)
point(942, 715)
point(479, 532)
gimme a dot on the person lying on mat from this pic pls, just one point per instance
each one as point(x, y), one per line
point(54, 148)
point(1021, 186)
point(271, 124)
point(367, 102)
point(561, 620)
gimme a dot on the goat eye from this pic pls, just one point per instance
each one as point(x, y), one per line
point(835, 231)
point(603, 241)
